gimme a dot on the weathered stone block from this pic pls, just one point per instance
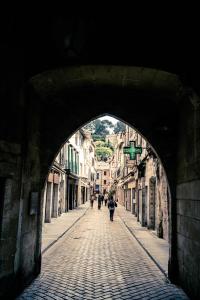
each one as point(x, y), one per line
point(189, 190)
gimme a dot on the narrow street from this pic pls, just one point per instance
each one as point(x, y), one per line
point(99, 259)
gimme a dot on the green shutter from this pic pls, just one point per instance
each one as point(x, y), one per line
point(75, 162)
point(72, 160)
point(69, 163)
point(78, 163)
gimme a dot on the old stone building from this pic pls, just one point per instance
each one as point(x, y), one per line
point(140, 182)
point(111, 138)
point(87, 173)
point(102, 177)
point(72, 177)
point(55, 189)
point(117, 168)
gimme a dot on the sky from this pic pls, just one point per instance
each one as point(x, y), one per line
point(113, 120)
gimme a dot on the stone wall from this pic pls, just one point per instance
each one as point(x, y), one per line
point(10, 174)
point(153, 109)
point(188, 196)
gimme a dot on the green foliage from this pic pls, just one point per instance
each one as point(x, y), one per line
point(109, 145)
point(104, 144)
point(107, 123)
point(104, 150)
point(99, 129)
point(96, 137)
point(119, 127)
point(103, 153)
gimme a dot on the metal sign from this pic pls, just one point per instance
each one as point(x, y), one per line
point(132, 150)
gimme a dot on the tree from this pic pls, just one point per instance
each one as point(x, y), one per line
point(119, 127)
point(103, 153)
point(107, 123)
point(96, 137)
point(99, 128)
point(103, 150)
point(104, 144)
point(109, 145)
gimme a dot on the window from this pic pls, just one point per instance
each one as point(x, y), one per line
point(97, 175)
point(104, 181)
point(104, 172)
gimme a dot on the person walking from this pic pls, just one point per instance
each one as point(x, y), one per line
point(102, 198)
point(106, 199)
point(99, 201)
point(92, 200)
point(111, 206)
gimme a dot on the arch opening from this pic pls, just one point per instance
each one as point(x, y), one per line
point(149, 97)
point(94, 161)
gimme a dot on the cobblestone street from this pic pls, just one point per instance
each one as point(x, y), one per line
point(99, 259)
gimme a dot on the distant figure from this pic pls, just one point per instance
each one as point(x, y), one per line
point(111, 206)
point(102, 198)
point(92, 200)
point(106, 199)
point(99, 201)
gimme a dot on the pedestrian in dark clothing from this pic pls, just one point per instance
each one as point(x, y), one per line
point(102, 198)
point(99, 201)
point(92, 200)
point(111, 206)
point(106, 199)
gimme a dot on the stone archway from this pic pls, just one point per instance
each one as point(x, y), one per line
point(61, 101)
point(144, 98)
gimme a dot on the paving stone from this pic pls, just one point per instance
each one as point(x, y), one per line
point(99, 259)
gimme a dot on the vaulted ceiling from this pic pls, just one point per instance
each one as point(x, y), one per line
point(43, 39)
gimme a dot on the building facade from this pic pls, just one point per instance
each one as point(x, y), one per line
point(71, 179)
point(103, 179)
point(139, 182)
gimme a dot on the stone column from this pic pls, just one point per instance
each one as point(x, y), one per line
point(54, 212)
point(48, 202)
